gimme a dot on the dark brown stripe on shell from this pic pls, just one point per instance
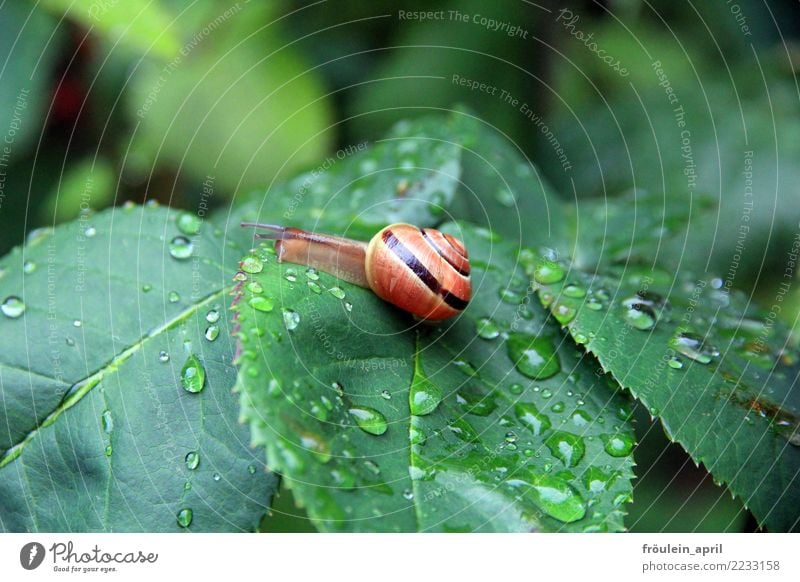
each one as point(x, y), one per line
point(424, 275)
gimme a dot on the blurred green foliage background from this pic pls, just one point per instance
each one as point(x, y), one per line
point(104, 101)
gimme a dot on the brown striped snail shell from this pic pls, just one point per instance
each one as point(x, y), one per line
point(420, 270)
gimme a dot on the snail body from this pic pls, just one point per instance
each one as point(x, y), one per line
point(422, 271)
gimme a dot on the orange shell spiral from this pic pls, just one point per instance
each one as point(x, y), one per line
point(419, 270)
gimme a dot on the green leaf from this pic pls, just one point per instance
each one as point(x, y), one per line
point(697, 163)
point(503, 190)
point(89, 180)
point(98, 431)
point(717, 372)
point(638, 227)
point(411, 175)
point(238, 103)
point(423, 172)
point(329, 376)
point(142, 25)
point(30, 42)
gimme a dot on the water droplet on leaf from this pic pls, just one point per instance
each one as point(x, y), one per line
point(424, 396)
point(181, 248)
point(567, 447)
point(252, 264)
point(548, 272)
point(212, 333)
point(261, 303)
point(193, 375)
point(369, 420)
point(107, 421)
point(529, 415)
point(693, 347)
point(291, 319)
point(185, 517)
point(487, 329)
point(192, 460)
point(188, 223)
point(534, 357)
point(13, 307)
point(618, 445)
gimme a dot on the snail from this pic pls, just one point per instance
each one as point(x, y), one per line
point(420, 270)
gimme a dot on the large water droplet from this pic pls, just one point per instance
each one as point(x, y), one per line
point(618, 445)
point(252, 264)
point(529, 415)
point(337, 292)
point(675, 362)
point(424, 396)
point(567, 447)
point(185, 517)
point(212, 333)
point(369, 420)
point(547, 272)
point(487, 328)
point(535, 357)
point(574, 291)
point(557, 498)
point(13, 307)
point(181, 248)
point(563, 313)
point(189, 223)
point(261, 303)
point(640, 316)
point(416, 433)
point(193, 375)
point(596, 480)
point(107, 421)
point(314, 286)
point(192, 460)
point(212, 316)
point(693, 347)
point(291, 319)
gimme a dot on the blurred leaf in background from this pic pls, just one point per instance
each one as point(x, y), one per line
point(29, 42)
point(89, 183)
point(427, 60)
point(141, 25)
point(237, 102)
point(702, 114)
point(30, 45)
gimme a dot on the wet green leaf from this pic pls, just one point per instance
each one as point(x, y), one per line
point(718, 372)
point(102, 426)
point(378, 423)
